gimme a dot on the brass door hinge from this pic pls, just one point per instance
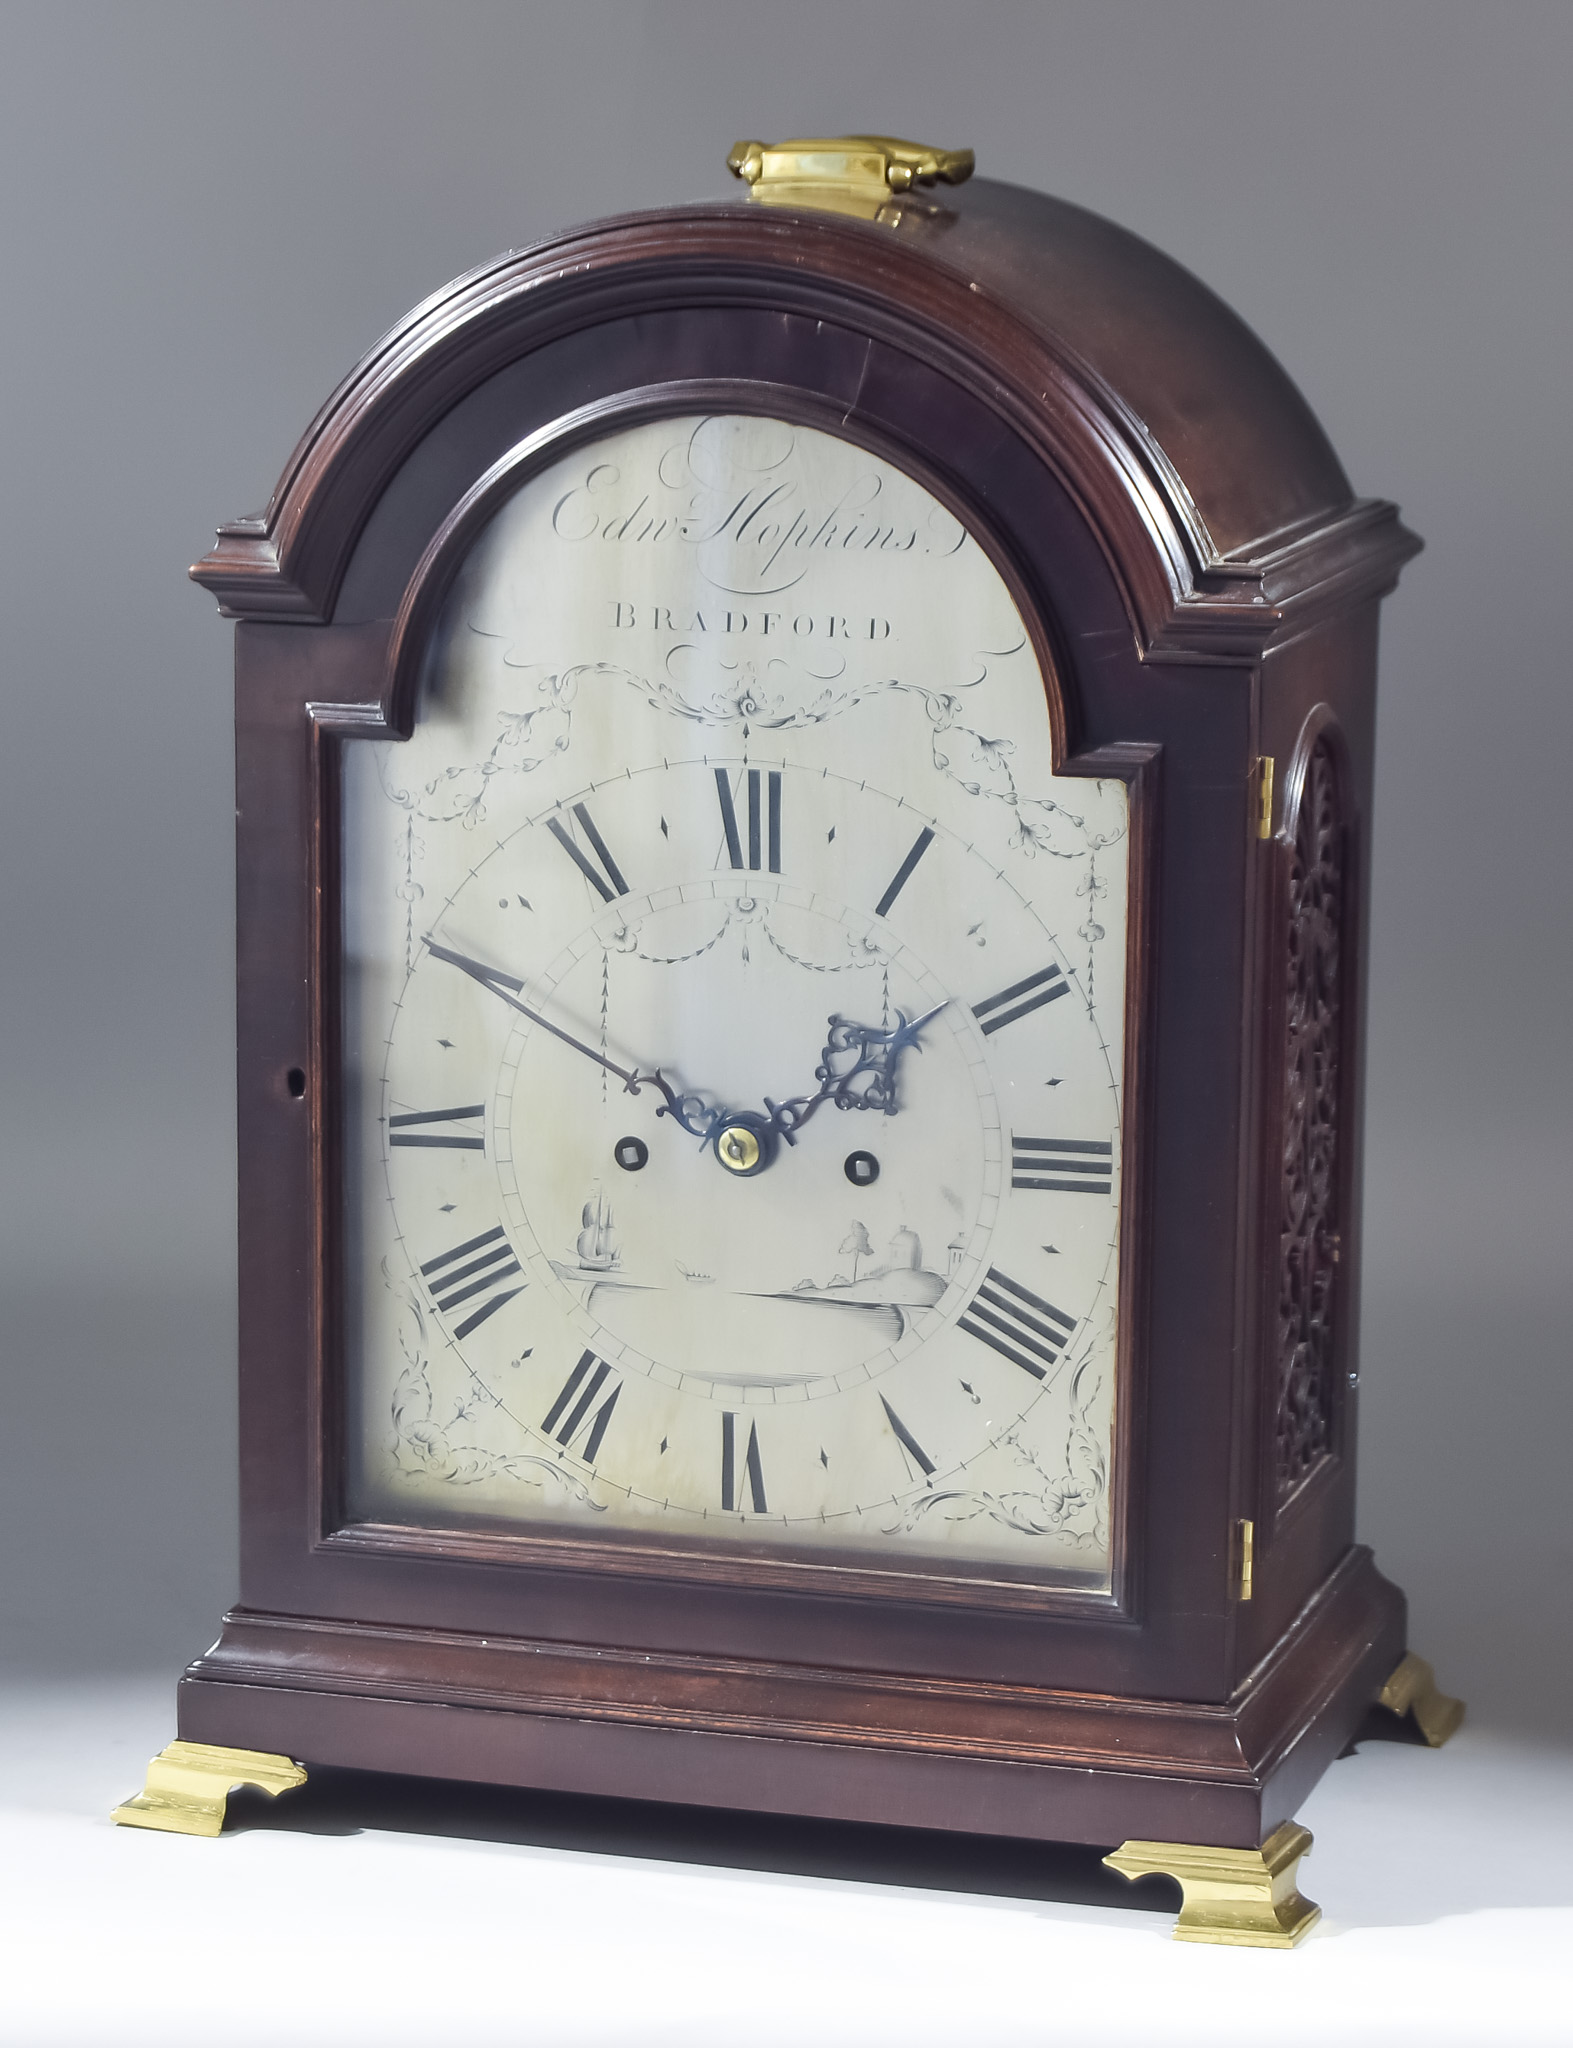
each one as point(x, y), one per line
point(1264, 815)
point(1244, 1558)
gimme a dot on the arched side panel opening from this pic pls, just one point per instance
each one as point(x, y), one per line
point(1305, 1335)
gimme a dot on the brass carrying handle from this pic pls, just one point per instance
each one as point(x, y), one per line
point(856, 174)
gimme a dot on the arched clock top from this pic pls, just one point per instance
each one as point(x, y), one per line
point(1214, 497)
point(1188, 374)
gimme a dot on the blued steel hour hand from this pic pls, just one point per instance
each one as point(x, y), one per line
point(867, 1082)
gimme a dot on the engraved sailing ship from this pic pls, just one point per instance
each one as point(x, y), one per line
point(598, 1249)
point(598, 1245)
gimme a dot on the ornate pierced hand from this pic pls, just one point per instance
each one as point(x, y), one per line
point(857, 1070)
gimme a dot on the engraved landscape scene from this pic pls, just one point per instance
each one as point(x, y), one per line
point(734, 1032)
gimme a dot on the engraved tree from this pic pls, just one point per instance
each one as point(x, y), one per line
point(857, 1245)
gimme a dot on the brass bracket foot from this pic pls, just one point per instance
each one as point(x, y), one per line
point(188, 1783)
point(1412, 1690)
point(1244, 1898)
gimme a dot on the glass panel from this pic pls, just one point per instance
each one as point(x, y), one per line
point(734, 1031)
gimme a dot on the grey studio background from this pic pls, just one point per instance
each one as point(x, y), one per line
point(210, 210)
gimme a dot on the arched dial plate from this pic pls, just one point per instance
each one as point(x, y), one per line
point(734, 1031)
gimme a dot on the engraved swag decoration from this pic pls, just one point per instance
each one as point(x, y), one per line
point(734, 1031)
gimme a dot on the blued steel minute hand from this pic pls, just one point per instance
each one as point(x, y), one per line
point(684, 1108)
point(506, 987)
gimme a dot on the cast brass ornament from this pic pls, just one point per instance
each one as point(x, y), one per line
point(857, 174)
point(189, 1782)
point(1238, 1898)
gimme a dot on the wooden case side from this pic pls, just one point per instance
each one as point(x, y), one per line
point(1322, 689)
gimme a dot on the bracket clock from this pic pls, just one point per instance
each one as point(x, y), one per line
point(804, 791)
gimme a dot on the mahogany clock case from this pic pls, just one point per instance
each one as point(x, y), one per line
point(1202, 589)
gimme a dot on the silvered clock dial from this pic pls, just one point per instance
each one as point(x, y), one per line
point(734, 1031)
